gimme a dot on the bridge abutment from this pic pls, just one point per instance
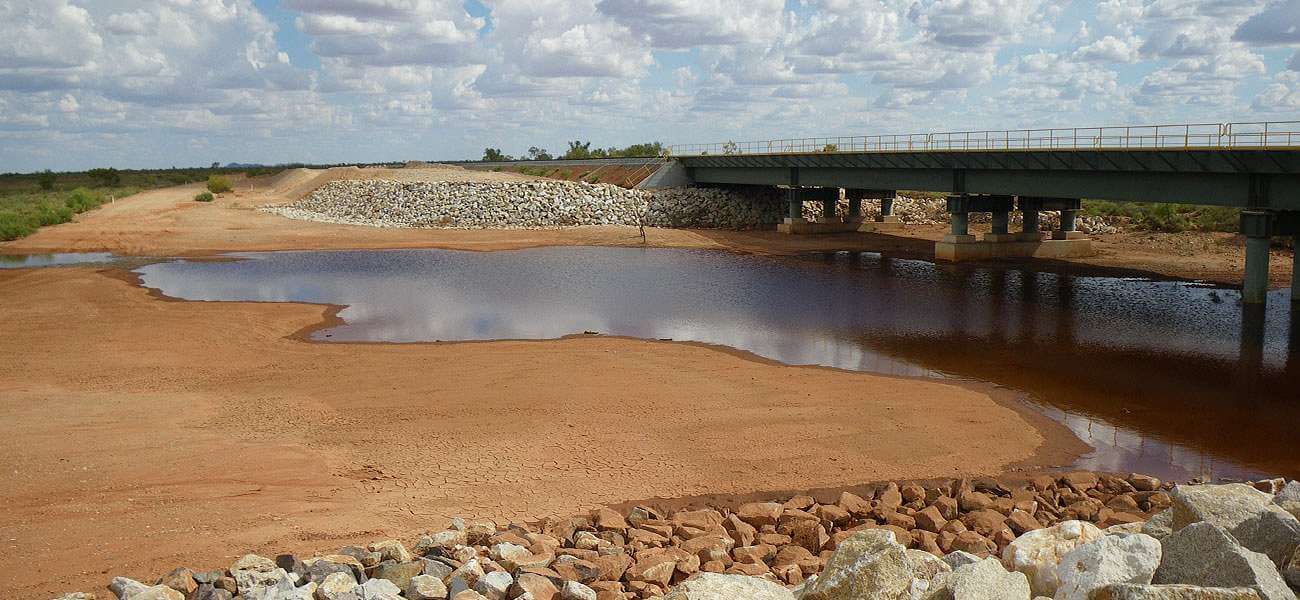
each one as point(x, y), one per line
point(960, 245)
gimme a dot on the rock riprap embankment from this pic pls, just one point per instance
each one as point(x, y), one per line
point(1079, 536)
point(531, 205)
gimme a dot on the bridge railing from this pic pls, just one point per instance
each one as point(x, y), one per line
point(1257, 135)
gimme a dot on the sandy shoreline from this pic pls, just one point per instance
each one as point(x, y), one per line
point(140, 428)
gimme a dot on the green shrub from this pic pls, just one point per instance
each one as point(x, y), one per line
point(203, 197)
point(82, 200)
point(1168, 218)
point(218, 184)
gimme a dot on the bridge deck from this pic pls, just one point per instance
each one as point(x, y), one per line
point(1230, 177)
point(1233, 164)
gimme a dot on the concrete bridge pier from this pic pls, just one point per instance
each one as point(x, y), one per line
point(855, 206)
point(1001, 243)
point(886, 221)
point(794, 222)
point(1259, 227)
point(829, 205)
point(1031, 228)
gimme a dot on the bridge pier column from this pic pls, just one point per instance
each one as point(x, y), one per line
point(829, 204)
point(1069, 220)
point(887, 208)
point(1258, 229)
point(959, 206)
point(1000, 207)
point(1029, 212)
point(794, 206)
point(886, 221)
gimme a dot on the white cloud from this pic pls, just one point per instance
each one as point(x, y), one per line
point(977, 24)
point(692, 23)
point(198, 79)
point(389, 33)
point(1109, 49)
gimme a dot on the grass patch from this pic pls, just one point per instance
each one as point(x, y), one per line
point(21, 214)
point(204, 197)
point(1168, 218)
point(534, 171)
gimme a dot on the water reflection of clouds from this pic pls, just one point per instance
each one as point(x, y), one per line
point(793, 311)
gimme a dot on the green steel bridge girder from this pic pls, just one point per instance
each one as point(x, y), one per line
point(1266, 179)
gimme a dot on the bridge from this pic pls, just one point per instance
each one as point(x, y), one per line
point(1251, 166)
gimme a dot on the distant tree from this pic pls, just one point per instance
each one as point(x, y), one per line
point(494, 155)
point(640, 150)
point(216, 165)
point(535, 153)
point(105, 177)
point(46, 179)
point(578, 150)
point(830, 148)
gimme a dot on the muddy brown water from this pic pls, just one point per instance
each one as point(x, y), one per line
point(1165, 377)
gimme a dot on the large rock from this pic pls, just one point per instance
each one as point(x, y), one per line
point(572, 590)
point(442, 540)
point(1289, 498)
point(1291, 570)
point(129, 589)
point(494, 585)
point(869, 564)
point(716, 586)
point(1038, 553)
point(984, 580)
point(426, 587)
point(320, 567)
point(1120, 558)
point(1133, 591)
point(1251, 516)
point(1205, 554)
point(336, 586)
point(378, 589)
point(1160, 524)
point(398, 573)
point(253, 573)
point(464, 577)
point(929, 573)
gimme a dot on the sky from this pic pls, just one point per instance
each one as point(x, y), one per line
point(161, 83)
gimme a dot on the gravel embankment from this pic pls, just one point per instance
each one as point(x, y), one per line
point(1077, 536)
point(529, 205)
point(550, 204)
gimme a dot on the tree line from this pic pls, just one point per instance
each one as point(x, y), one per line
point(578, 150)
